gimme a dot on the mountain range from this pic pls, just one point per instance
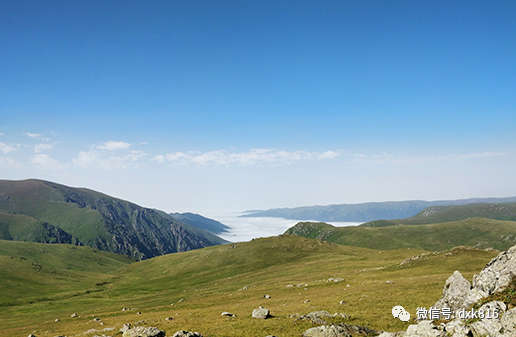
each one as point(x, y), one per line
point(365, 212)
point(484, 225)
point(43, 211)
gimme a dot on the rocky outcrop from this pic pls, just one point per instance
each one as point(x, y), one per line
point(459, 295)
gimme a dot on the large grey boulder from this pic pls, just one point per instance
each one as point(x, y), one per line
point(458, 293)
point(497, 273)
point(327, 331)
point(141, 331)
point(489, 326)
point(261, 313)
point(509, 321)
point(457, 328)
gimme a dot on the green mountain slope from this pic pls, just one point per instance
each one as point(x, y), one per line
point(436, 214)
point(474, 232)
point(35, 272)
point(36, 210)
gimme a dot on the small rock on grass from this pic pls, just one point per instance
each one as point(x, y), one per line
point(141, 331)
point(261, 313)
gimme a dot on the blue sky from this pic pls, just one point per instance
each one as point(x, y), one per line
point(233, 105)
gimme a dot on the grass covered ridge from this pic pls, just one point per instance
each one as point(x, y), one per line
point(474, 232)
point(203, 283)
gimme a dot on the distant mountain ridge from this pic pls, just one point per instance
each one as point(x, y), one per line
point(42, 211)
point(202, 222)
point(365, 212)
point(438, 214)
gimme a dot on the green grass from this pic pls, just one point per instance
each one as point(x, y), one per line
point(474, 232)
point(203, 283)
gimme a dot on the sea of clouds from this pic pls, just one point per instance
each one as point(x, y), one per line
point(248, 228)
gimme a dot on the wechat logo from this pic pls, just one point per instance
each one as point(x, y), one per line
point(399, 312)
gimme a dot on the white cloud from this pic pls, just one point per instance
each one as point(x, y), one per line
point(113, 145)
point(46, 162)
point(33, 135)
point(103, 160)
point(41, 147)
point(6, 148)
point(36, 136)
point(251, 157)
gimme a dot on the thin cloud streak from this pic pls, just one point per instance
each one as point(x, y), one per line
point(102, 160)
point(252, 157)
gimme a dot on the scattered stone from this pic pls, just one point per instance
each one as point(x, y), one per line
point(261, 313)
point(96, 319)
point(340, 314)
point(74, 315)
point(245, 287)
point(306, 301)
point(225, 313)
point(267, 296)
point(57, 320)
point(141, 331)
point(389, 282)
point(290, 286)
point(169, 318)
point(31, 335)
point(183, 333)
point(125, 309)
point(337, 279)
point(342, 302)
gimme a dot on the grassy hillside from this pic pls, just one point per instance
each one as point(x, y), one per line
point(41, 211)
point(35, 272)
point(195, 287)
point(474, 232)
point(436, 214)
